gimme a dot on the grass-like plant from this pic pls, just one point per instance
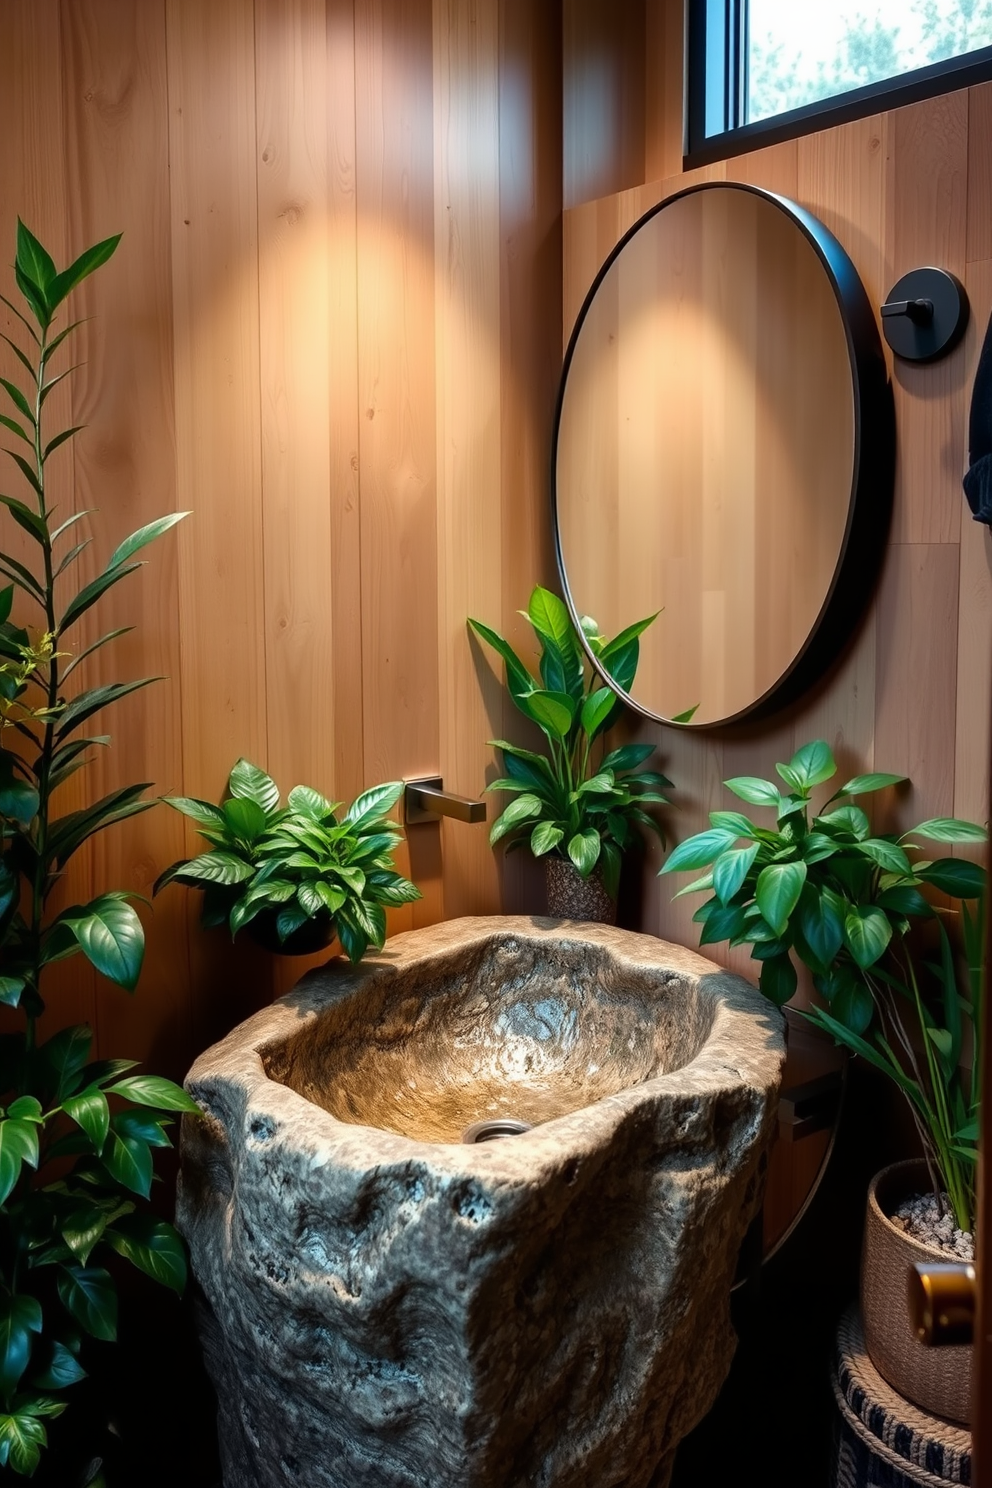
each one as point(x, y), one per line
point(826, 890)
point(76, 1136)
point(304, 872)
point(581, 802)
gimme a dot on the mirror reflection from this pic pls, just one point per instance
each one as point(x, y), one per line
point(706, 450)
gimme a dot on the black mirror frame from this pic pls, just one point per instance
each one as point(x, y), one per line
point(873, 476)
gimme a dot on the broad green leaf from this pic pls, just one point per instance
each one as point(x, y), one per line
point(552, 711)
point(821, 921)
point(778, 979)
point(60, 1369)
point(724, 922)
point(20, 1317)
point(627, 757)
point(110, 936)
point(813, 763)
point(83, 1230)
point(867, 933)
point(153, 1246)
point(247, 782)
point(698, 885)
point(948, 829)
point(524, 808)
point(18, 800)
point(143, 1125)
point(597, 785)
point(245, 819)
point(202, 812)
point(88, 1294)
point(777, 892)
point(886, 854)
point(129, 1161)
point(954, 876)
point(11, 989)
point(64, 1055)
point(218, 867)
point(310, 802)
point(731, 869)
point(849, 819)
point(26, 1108)
point(549, 616)
point(89, 1110)
point(142, 537)
point(792, 779)
point(817, 846)
point(733, 821)
point(22, 1438)
point(904, 899)
point(372, 805)
point(863, 785)
point(18, 1145)
point(371, 920)
point(757, 792)
point(596, 709)
point(852, 1005)
point(699, 851)
point(545, 838)
point(584, 849)
point(155, 1091)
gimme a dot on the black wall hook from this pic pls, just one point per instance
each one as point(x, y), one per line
point(925, 314)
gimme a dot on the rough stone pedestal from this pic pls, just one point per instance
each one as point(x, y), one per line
point(392, 1308)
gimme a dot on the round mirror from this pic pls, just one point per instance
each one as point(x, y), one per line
point(724, 452)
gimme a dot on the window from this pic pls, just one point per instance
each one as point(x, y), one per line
point(769, 69)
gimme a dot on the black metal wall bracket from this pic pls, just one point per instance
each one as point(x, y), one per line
point(925, 314)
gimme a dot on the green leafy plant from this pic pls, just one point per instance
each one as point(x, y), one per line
point(581, 808)
point(298, 867)
point(827, 890)
point(76, 1136)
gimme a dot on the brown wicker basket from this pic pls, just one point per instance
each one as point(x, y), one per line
point(572, 897)
point(938, 1380)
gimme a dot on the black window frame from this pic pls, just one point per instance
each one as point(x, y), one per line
point(716, 88)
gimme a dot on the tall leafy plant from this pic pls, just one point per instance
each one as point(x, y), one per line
point(824, 889)
point(582, 802)
point(76, 1135)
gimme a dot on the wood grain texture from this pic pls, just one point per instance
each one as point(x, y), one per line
point(926, 224)
point(33, 187)
point(469, 403)
point(530, 341)
point(117, 113)
point(214, 220)
point(664, 61)
point(603, 97)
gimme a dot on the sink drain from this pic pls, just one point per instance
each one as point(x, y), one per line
point(497, 1126)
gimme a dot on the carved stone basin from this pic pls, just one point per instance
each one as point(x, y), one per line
point(390, 1307)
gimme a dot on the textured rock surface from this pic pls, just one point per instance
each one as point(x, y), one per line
point(546, 1311)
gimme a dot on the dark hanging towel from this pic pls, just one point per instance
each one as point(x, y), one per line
point(978, 480)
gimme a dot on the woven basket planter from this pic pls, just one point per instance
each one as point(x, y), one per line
point(938, 1380)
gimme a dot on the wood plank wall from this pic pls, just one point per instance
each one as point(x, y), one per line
point(332, 331)
point(899, 189)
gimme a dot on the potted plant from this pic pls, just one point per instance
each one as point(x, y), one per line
point(578, 807)
point(843, 900)
point(76, 1134)
point(296, 875)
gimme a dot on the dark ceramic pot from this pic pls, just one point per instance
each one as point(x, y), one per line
point(938, 1380)
point(306, 941)
point(572, 897)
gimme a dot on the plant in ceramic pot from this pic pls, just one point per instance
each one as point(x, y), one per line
point(296, 875)
point(76, 1134)
point(826, 890)
point(580, 806)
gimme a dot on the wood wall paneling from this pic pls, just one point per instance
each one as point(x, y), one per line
point(117, 119)
point(332, 332)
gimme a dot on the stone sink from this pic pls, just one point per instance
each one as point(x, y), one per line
point(389, 1306)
